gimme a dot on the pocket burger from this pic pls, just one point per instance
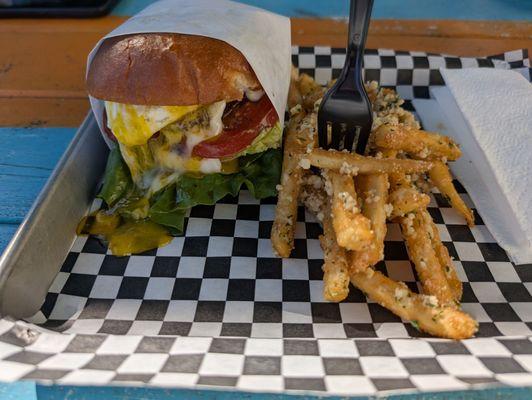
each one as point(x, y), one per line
point(191, 124)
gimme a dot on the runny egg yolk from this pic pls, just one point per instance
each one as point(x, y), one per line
point(133, 125)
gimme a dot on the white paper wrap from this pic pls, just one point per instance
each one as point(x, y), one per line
point(261, 36)
point(489, 112)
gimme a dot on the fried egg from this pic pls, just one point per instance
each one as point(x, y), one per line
point(133, 125)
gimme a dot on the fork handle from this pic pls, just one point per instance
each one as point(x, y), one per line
point(359, 16)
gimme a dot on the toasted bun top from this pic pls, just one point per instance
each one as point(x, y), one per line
point(168, 69)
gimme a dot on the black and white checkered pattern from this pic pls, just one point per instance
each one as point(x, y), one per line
point(337, 366)
point(216, 307)
point(410, 73)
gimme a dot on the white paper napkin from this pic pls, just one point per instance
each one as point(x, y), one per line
point(489, 112)
point(263, 38)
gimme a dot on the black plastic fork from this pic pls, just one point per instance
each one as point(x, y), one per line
point(344, 115)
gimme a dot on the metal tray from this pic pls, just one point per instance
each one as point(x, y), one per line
point(32, 259)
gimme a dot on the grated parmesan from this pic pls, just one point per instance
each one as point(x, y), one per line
point(304, 163)
point(424, 153)
point(327, 182)
point(348, 169)
point(315, 181)
point(430, 301)
point(400, 293)
point(349, 202)
point(409, 224)
point(372, 197)
point(296, 109)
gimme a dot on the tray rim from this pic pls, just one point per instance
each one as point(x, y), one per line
point(14, 250)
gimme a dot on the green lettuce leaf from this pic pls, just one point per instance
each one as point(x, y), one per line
point(117, 179)
point(259, 172)
point(207, 190)
point(164, 210)
point(263, 174)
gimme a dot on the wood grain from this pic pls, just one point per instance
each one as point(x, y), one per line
point(42, 62)
point(6, 232)
point(27, 158)
point(38, 111)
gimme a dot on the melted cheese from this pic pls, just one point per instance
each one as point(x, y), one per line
point(155, 162)
point(172, 150)
point(215, 111)
point(133, 125)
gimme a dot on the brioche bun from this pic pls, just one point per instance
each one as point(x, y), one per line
point(168, 69)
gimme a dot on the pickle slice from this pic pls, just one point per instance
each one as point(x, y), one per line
point(137, 237)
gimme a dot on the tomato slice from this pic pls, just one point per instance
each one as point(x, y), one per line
point(241, 126)
point(106, 129)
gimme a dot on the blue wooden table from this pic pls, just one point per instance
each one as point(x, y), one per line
point(32, 391)
point(28, 155)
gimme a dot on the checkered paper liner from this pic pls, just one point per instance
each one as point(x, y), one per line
point(217, 308)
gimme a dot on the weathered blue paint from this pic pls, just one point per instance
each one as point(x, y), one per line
point(35, 149)
point(18, 391)
point(395, 9)
point(6, 233)
point(27, 158)
point(32, 391)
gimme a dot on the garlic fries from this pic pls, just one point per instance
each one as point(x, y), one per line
point(442, 179)
point(417, 232)
point(335, 268)
point(422, 144)
point(339, 160)
point(299, 137)
point(354, 196)
point(421, 310)
point(353, 230)
point(375, 191)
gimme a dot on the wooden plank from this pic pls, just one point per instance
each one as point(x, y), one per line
point(68, 42)
point(27, 390)
point(27, 159)
point(18, 194)
point(38, 147)
point(55, 94)
point(6, 233)
point(42, 111)
point(404, 35)
point(408, 9)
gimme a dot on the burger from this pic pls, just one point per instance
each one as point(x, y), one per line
point(189, 124)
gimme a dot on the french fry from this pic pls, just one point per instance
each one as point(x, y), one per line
point(421, 310)
point(374, 191)
point(335, 268)
point(418, 235)
point(313, 196)
point(339, 160)
point(405, 200)
point(300, 135)
point(419, 143)
point(310, 91)
point(352, 229)
point(389, 185)
point(388, 153)
point(442, 179)
point(294, 95)
point(446, 263)
point(422, 183)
